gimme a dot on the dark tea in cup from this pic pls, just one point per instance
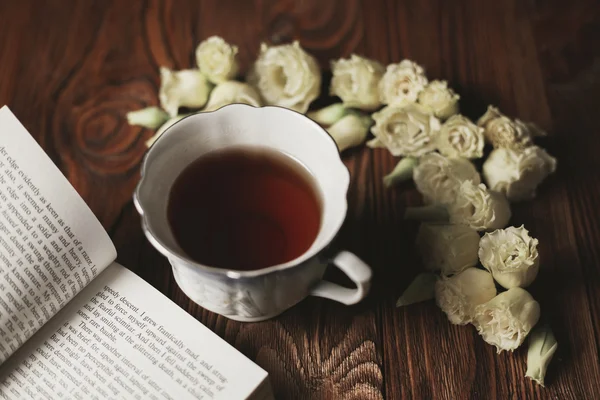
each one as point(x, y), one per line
point(244, 208)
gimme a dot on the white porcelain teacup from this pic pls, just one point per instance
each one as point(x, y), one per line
point(259, 294)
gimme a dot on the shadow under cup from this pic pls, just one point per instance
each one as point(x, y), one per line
point(256, 294)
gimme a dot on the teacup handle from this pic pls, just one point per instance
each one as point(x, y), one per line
point(355, 269)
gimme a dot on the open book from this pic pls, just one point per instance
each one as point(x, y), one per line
point(76, 325)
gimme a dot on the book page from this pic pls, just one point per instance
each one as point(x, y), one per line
point(121, 338)
point(51, 244)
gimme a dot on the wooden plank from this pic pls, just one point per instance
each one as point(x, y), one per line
point(78, 67)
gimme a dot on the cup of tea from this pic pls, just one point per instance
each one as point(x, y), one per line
point(244, 202)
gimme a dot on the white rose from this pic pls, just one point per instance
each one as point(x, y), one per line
point(511, 256)
point(232, 92)
point(506, 320)
point(458, 295)
point(355, 81)
point(501, 131)
point(402, 83)
point(286, 76)
point(186, 88)
point(459, 137)
point(490, 114)
point(479, 208)
point(350, 131)
point(438, 178)
point(447, 248)
point(534, 130)
point(217, 59)
point(518, 173)
point(440, 98)
point(406, 131)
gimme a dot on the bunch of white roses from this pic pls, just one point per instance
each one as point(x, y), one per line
point(469, 295)
point(418, 120)
point(284, 75)
point(421, 123)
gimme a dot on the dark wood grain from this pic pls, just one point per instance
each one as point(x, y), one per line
point(70, 70)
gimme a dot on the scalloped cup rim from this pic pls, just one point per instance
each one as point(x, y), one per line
point(170, 253)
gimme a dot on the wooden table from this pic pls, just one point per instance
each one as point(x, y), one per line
point(70, 70)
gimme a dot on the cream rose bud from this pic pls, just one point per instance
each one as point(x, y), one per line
point(440, 99)
point(217, 59)
point(375, 144)
point(542, 346)
point(328, 115)
point(164, 127)
point(350, 131)
point(406, 131)
point(506, 320)
point(355, 81)
point(438, 178)
point(459, 137)
point(501, 131)
point(447, 248)
point(518, 173)
point(479, 208)
point(403, 171)
point(186, 88)
point(511, 256)
point(232, 92)
point(286, 76)
point(458, 295)
point(420, 289)
point(402, 83)
point(149, 117)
